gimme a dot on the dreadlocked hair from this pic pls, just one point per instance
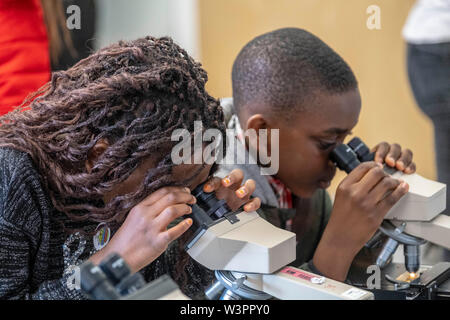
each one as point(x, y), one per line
point(133, 94)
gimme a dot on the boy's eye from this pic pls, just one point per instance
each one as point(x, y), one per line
point(324, 145)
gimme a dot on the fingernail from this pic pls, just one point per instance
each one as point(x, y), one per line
point(208, 188)
point(193, 200)
point(401, 164)
point(241, 192)
point(187, 190)
point(249, 207)
point(404, 185)
point(190, 210)
point(188, 221)
point(380, 165)
point(226, 181)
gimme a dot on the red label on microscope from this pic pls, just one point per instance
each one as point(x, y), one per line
point(298, 273)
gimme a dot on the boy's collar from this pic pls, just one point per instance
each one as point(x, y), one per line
point(283, 193)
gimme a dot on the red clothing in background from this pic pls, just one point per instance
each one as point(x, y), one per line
point(24, 54)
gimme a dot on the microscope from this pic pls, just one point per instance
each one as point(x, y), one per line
point(250, 257)
point(248, 254)
point(112, 280)
point(411, 222)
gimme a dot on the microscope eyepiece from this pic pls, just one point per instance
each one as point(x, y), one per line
point(348, 156)
point(361, 149)
point(213, 207)
point(206, 211)
point(344, 158)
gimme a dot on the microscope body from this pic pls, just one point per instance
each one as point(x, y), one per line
point(112, 279)
point(414, 219)
point(249, 255)
point(250, 244)
point(420, 208)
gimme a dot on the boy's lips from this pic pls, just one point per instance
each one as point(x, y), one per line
point(324, 184)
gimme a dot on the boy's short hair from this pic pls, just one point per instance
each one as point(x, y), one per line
point(284, 68)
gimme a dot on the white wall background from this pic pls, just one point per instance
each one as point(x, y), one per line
point(132, 19)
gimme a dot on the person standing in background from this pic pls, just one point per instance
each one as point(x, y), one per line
point(68, 46)
point(24, 58)
point(34, 41)
point(427, 33)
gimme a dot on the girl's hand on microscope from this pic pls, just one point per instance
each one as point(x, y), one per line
point(362, 200)
point(145, 233)
point(394, 156)
point(231, 189)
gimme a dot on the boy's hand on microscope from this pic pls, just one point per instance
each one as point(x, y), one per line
point(144, 235)
point(394, 156)
point(362, 200)
point(231, 189)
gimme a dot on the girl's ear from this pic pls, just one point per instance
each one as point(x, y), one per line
point(95, 152)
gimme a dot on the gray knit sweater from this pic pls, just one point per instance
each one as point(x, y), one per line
point(37, 257)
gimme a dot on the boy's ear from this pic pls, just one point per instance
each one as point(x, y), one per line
point(256, 122)
point(95, 152)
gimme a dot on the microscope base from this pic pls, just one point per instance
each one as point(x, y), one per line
point(433, 283)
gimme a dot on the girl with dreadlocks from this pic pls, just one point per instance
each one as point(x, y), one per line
point(88, 158)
